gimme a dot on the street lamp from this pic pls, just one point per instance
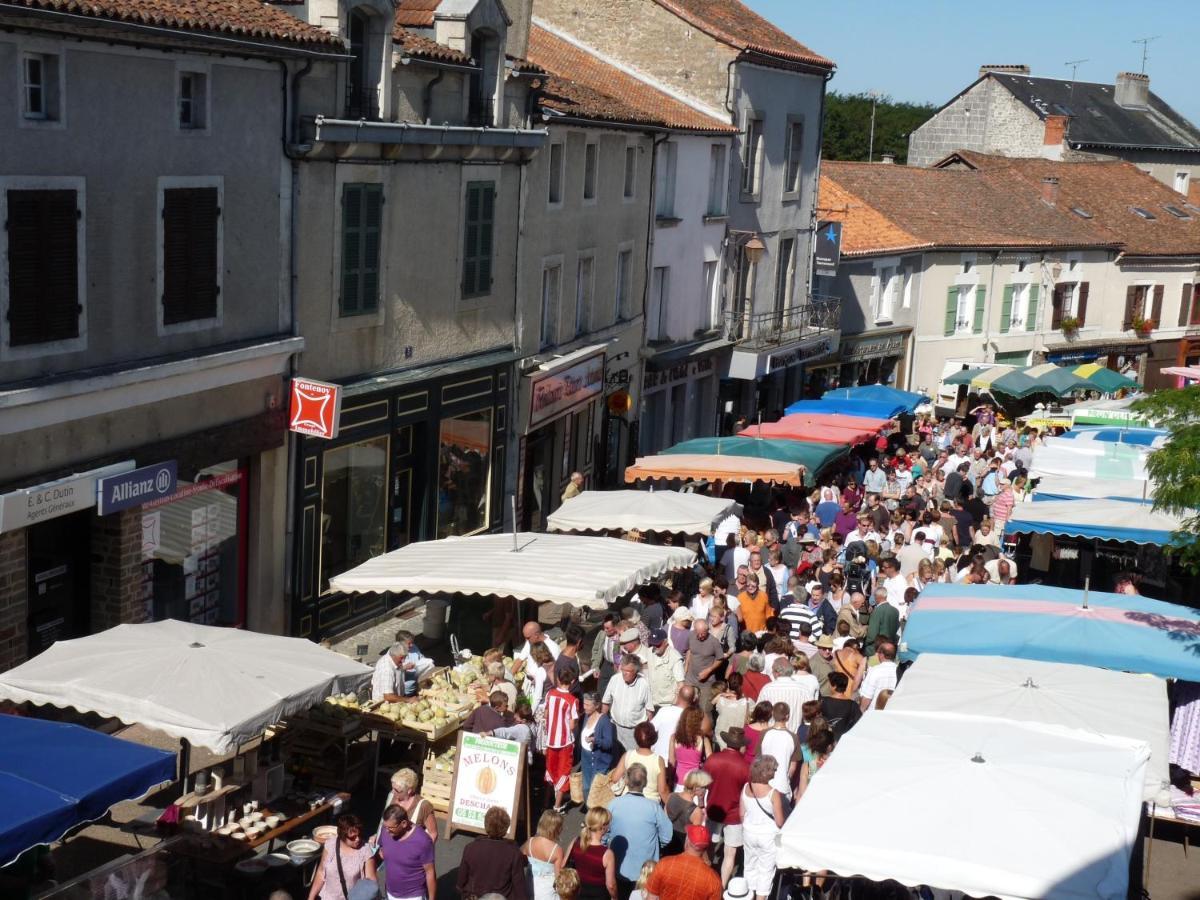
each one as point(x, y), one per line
point(755, 249)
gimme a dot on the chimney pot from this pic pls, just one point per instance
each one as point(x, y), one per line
point(1132, 90)
point(887, 159)
point(1050, 190)
point(1004, 69)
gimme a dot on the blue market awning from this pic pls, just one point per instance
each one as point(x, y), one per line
point(867, 409)
point(1115, 434)
point(1032, 621)
point(878, 393)
point(1103, 519)
point(54, 776)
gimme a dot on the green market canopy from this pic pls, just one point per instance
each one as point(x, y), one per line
point(1043, 379)
point(814, 457)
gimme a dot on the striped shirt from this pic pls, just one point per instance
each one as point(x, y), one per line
point(795, 691)
point(802, 612)
point(562, 709)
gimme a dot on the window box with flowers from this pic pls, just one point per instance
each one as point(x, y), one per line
point(1070, 326)
point(1143, 326)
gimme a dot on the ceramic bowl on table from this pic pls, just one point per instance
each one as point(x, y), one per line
point(273, 821)
point(240, 836)
point(322, 833)
point(303, 851)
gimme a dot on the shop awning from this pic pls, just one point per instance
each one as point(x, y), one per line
point(215, 687)
point(588, 572)
point(1116, 434)
point(814, 457)
point(1025, 690)
point(669, 511)
point(1032, 621)
point(1088, 459)
point(868, 409)
point(54, 776)
point(710, 467)
point(1104, 519)
point(1071, 487)
point(1191, 373)
point(1105, 379)
point(878, 393)
point(820, 429)
point(977, 805)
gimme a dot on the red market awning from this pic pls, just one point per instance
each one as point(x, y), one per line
point(828, 428)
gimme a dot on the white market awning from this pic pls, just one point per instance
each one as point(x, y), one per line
point(670, 511)
point(1068, 487)
point(1089, 459)
point(215, 687)
point(587, 572)
point(985, 807)
point(1104, 519)
point(1025, 690)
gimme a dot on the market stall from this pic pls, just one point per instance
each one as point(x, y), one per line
point(714, 468)
point(983, 806)
point(1114, 434)
point(870, 409)
point(1088, 459)
point(671, 512)
point(813, 457)
point(878, 393)
point(816, 429)
point(1111, 631)
point(1106, 412)
point(1102, 519)
point(1074, 487)
point(1024, 690)
point(1046, 378)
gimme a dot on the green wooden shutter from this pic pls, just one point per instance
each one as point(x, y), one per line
point(43, 267)
point(951, 310)
point(362, 219)
point(1031, 312)
point(372, 231)
point(980, 298)
point(1006, 308)
point(477, 243)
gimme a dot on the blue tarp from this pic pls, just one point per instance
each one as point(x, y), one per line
point(877, 393)
point(1115, 631)
point(1113, 434)
point(867, 409)
point(54, 776)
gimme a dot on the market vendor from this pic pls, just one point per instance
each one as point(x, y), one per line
point(397, 672)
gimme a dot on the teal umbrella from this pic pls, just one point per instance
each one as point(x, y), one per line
point(963, 377)
point(1105, 380)
point(814, 457)
point(1044, 379)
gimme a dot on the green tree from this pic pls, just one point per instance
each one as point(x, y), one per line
point(1175, 467)
point(848, 126)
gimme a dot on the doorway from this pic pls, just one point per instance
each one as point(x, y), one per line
point(537, 499)
point(59, 580)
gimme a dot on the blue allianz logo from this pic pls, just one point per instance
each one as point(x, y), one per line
point(130, 489)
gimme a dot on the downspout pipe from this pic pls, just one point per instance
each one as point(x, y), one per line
point(427, 96)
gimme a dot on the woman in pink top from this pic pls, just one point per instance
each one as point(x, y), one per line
point(688, 747)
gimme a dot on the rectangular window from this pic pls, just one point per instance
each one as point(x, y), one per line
point(630, 182)
point(1019, 317)
point(795, 151)
point(752, 156)
point(354, 506)
point(624, 300)
point(716, 180)
point(464, 456)
point(785, 275)
point(908, 289)
point(1182, 180)
point(193, 101)
point(964, 318)
point(590, 156)
point(43, 267)
point(886, 288)
point(554, 190)
point(477, 243)
point(551, 293)
point(362, 218)
point(664, 187)
point(191, 238)
point(712, 296)
point(40, 87)
point(656, 313)
point(583, 294)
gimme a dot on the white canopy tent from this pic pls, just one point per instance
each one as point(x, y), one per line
point(670, 511)
point(560, 568)
point(1077, 487)
point(1104, 519)
point(1089, 459)
point(1094, 700)
point(981, 806)
point(214, 687)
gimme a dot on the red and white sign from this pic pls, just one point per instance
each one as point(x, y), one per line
point(315, 408)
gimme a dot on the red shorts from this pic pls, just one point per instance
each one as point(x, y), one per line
point(558, 766)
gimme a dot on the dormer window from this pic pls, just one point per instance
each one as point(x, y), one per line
point(370, 46)
point(481, 100)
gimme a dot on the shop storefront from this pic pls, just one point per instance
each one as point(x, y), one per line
point(1126, 357)
point(420, 455)
point(679, 399)
point(877, 358)
point(766, 382)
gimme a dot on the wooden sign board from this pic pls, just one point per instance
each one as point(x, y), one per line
point(488, 772)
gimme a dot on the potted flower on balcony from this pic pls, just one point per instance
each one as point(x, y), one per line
point(1143, 327)
point(1070, 326)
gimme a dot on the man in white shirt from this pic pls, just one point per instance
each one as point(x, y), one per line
point(533, 635)
point(664, 669)
point(1001, 570)
point(794, 690)
point(895, 583)
point(387, 682)
point(874, 480)
point(627, 700)
point(910, 555)
point(666, 718)
point(864, 532)
point(880, 677)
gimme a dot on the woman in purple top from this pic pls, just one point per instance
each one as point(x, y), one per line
point(407, 856)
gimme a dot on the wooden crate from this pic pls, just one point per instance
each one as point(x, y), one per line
point(436, 785)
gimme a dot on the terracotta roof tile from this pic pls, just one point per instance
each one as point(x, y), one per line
point(421, 47)
point(901, 207)
point(732, 22)
point(583, 85)
point(250, 19)
point(418, 13)
point(1109, 191)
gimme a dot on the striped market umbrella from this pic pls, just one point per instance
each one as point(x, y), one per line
point(1043, 379)
point(1104, 379)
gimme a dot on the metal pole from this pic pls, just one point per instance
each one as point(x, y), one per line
point(1087, 583)
point(871, 142)
point(513, 506)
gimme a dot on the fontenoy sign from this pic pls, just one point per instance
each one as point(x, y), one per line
point(75, 493)
point(130, 489)
point(315, 408)
point(488, 772)
point(557, 392)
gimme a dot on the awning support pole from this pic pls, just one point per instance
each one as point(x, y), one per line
point(513, 505)
point(185, 764)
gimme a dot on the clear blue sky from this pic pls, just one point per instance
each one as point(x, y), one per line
point(928, 50)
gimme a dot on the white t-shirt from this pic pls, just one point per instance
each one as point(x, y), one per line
point(666, 720)
point(781, 745)
point(881, 677)
point(524, 652)
point(701, 605)
point(896, 586)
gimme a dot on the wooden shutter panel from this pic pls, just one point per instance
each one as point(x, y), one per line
point(1081, 312)
point(1057, 299)
point(1185, 305)
point(951, 311)
point(487, 218)
point(1006, 308)
point(477, 244)
point(352, 203)
point(1031, 311)
point(189, 254)
point(1130, 307)
point(1195, 318)
point(43, 267)
point(980, 302)
point(471, 241)
point(372, 229)
point(1156, 309)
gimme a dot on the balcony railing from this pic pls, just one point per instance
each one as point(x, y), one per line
point(777, 328)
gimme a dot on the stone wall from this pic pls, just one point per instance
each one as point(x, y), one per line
point(14, 605)
point(986, 118)
point(116, 571)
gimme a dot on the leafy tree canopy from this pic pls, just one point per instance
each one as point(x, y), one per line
point(848, 126)
point(1175, 467)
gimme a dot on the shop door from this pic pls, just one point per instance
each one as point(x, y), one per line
point(538, 497)
point(410, 481)
point(59, 597)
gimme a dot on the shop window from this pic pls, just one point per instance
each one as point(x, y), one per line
point(193, 544)
point(464, 473)
point(354, 519)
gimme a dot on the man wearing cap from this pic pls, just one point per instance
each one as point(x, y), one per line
point(679, 629)
point(627, 700)
point(821, 663)
point(730, 771)
point(664, 669)
point(631, 645)
point(686, 876)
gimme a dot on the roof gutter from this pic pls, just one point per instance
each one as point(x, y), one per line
point(409, 59)
point(549, 116)
point(1175, 148)
point(259, 48)
point(356, 131)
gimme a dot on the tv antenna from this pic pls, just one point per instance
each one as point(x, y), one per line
point(1145, 42)
point(1074, 65)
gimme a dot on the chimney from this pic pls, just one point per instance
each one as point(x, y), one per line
point(1004, 70)
point(887, 159)
point(1050, 190)
point(1132, 90)
point(1056, 130)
